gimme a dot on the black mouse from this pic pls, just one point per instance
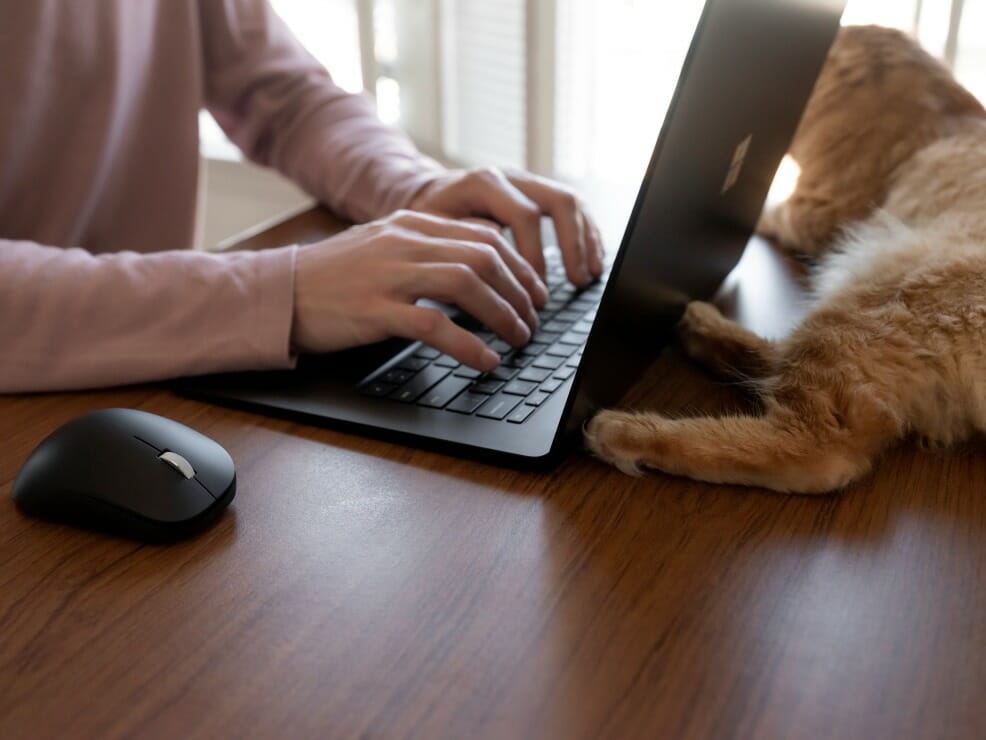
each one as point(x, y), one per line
point(130, 473)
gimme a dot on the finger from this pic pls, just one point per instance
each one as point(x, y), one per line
point(594, 245)
point(484, 222)
point(494, 194)
point(437, 330)
point(456, 283)
point(481, 257)
point(487, 264)
point(464, 231)
point(566, 213)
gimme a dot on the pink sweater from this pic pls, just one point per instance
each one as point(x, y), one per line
point(99, 103)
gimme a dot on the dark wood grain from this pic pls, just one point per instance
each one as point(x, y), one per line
point(362, 589)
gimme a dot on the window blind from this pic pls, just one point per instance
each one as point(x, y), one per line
point(483, 74)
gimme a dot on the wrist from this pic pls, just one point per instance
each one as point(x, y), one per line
point(419, 195)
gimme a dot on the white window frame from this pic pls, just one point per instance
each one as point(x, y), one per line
point(420, 74)
point(422, 54)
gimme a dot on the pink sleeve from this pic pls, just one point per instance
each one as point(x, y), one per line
point(280, 106)
point(70, 320)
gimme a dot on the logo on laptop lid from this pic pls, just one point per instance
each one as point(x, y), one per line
point(739, 157)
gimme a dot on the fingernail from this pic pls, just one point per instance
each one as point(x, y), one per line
point(489, 359)
point(524, 331)
point(542, 292)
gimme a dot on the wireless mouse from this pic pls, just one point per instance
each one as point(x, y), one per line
point(130, 473)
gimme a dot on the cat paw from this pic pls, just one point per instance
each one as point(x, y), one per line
point(609, 435)
point(699, 326)
point(723, 346)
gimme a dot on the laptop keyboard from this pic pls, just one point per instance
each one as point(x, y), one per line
point(527, 376)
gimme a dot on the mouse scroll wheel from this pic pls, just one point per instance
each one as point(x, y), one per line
point(178, 463)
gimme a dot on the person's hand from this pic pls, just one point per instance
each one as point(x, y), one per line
point(361, 286)
point(518, 200)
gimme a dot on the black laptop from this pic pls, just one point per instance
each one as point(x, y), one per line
point(744, 84)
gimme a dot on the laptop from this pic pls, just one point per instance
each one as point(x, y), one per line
point(744, 84)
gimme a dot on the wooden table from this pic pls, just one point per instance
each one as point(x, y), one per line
point(362, 589)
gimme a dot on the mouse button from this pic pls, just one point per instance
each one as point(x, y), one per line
point(215, 470)
point(212, 464)
point(149, 487)
point(129, 476)
point(200, 458)
point(107, 425)
point(78, 459)
point(175, 500)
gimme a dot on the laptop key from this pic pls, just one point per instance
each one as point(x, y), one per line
point(565, 373)
point(548, 362)
point(545, 337)
point(444, 392)
point(519, 415)
point(536, 399)
point(560, 350)
point(413, 389)
point(565, 293)
point(467, 372)
point(535, 374)
point(519, 387)
point(502, 373)
point(376, 388)
point(556, 326)
point(412, 363)
point(429, 353)
point(466, 403)
point(500, 347)
point(570, 337)
point(489, 387)
point(517, 360)
point(396, 376)
point(498, 406)
point(446, 361)
point(550, 386)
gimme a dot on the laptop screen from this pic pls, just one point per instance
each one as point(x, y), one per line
point(743, 88)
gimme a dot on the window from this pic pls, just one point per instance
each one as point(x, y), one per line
point(483, 81)
point(574, 89)
point(970, 60)
point(330, 30)
point(617, 66)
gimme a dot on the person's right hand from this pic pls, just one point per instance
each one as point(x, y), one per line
point(361, 287)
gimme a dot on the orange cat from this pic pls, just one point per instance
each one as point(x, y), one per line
point(892, 198)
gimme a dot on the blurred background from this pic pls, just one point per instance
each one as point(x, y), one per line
point(573, 89)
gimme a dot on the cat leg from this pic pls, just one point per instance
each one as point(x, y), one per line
point(808, 223)
point(723, 346)
point(779, 450)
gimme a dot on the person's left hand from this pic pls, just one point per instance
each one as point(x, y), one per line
point(518, 200)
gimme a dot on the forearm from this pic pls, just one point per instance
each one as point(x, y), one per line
point(71, 320)
point(282, 108)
